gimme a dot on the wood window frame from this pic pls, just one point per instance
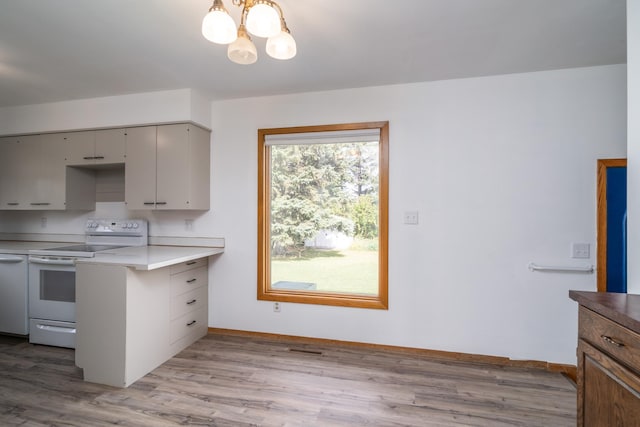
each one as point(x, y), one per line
point(265, 292)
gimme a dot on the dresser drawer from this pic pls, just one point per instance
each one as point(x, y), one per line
point(610, 337)
point(188, 265)
point(188, 280)
point(188, 302)
point(194, 323)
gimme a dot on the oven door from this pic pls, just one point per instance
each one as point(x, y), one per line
point(52, 288)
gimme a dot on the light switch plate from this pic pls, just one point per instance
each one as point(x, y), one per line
point(580, 250)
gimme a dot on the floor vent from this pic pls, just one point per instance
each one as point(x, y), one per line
point(302, 350)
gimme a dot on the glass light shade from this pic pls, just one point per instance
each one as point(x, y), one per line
point(281, 46)
point(263, 20)
point(242, 51)
point(218, 27)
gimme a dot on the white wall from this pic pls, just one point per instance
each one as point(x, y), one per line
point(633, 153)
point(503, 172)
point(110, 111)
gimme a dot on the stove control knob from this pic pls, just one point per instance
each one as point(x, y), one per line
point(135, 225)
point(129, 225)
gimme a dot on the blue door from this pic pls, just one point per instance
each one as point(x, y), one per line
point(616, 229)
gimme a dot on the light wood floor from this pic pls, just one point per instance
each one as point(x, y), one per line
point(246, 381)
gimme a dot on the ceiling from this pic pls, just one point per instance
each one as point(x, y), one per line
point(73, 49)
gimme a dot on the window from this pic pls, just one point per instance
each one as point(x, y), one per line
point(322, 214)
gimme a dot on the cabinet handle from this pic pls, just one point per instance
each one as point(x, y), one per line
point(99, 157)
point(88, 158)
point(149, 203)
point(191, 262)
point(612, 341)
point(161, 203)
point(13, 203)
point(193, 322)
point(193, 301)
point(191, 280)
point(40, 204)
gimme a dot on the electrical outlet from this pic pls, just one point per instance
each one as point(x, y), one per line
point(43, 222)
point(276, 307)
point(188, 224)
point(411, 217)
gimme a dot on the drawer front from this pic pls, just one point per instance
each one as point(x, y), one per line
point(188, 280)
point(610, 337)
point(189, 265)
point(194, 323)
point(188, 302)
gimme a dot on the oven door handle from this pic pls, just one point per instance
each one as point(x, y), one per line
point(8, 259)
point(61, 329)
point(50, 261)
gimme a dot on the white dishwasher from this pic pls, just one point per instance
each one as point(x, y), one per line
point(14, 317)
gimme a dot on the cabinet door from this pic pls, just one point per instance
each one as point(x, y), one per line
point(173, 167)
point(110, 146)
point(140, 168)
point(27, 160)
point(199, 168)
point(33, 173)
point(608, 393)
point(50, 177)
point(9, 174)
point(80, 147)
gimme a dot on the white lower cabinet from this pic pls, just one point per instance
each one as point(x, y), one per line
point(129, 322)
point(13, 294)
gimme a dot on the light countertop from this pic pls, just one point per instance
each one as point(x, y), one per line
point(150, 257)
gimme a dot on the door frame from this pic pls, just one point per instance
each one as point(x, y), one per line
point(601, 232)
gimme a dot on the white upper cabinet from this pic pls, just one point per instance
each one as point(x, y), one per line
point(174, 174)
point(165, 167)
point(50, 189)
point(33, 173)
point(97, 147)
point(140, 168)
point(15, 168)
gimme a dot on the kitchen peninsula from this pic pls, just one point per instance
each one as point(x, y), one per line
point(137, 307)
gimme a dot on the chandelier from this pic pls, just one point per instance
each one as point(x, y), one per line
point(262, 18)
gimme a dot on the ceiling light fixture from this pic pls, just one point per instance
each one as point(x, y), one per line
point(262, 18)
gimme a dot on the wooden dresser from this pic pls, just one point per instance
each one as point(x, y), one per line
point(608, 359)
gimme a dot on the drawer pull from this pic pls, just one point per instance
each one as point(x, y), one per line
point(193, 301)
point(193, 322)
point(191, 262)
point(191, 280)
point(149, 203)
point(612, 341)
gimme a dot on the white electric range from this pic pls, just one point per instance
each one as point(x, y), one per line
point(52, 275)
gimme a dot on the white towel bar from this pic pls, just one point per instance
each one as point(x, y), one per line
point(566, 269)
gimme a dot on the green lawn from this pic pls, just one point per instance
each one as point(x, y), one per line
point(350, 271)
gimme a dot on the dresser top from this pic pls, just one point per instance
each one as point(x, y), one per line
point(621, 308)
